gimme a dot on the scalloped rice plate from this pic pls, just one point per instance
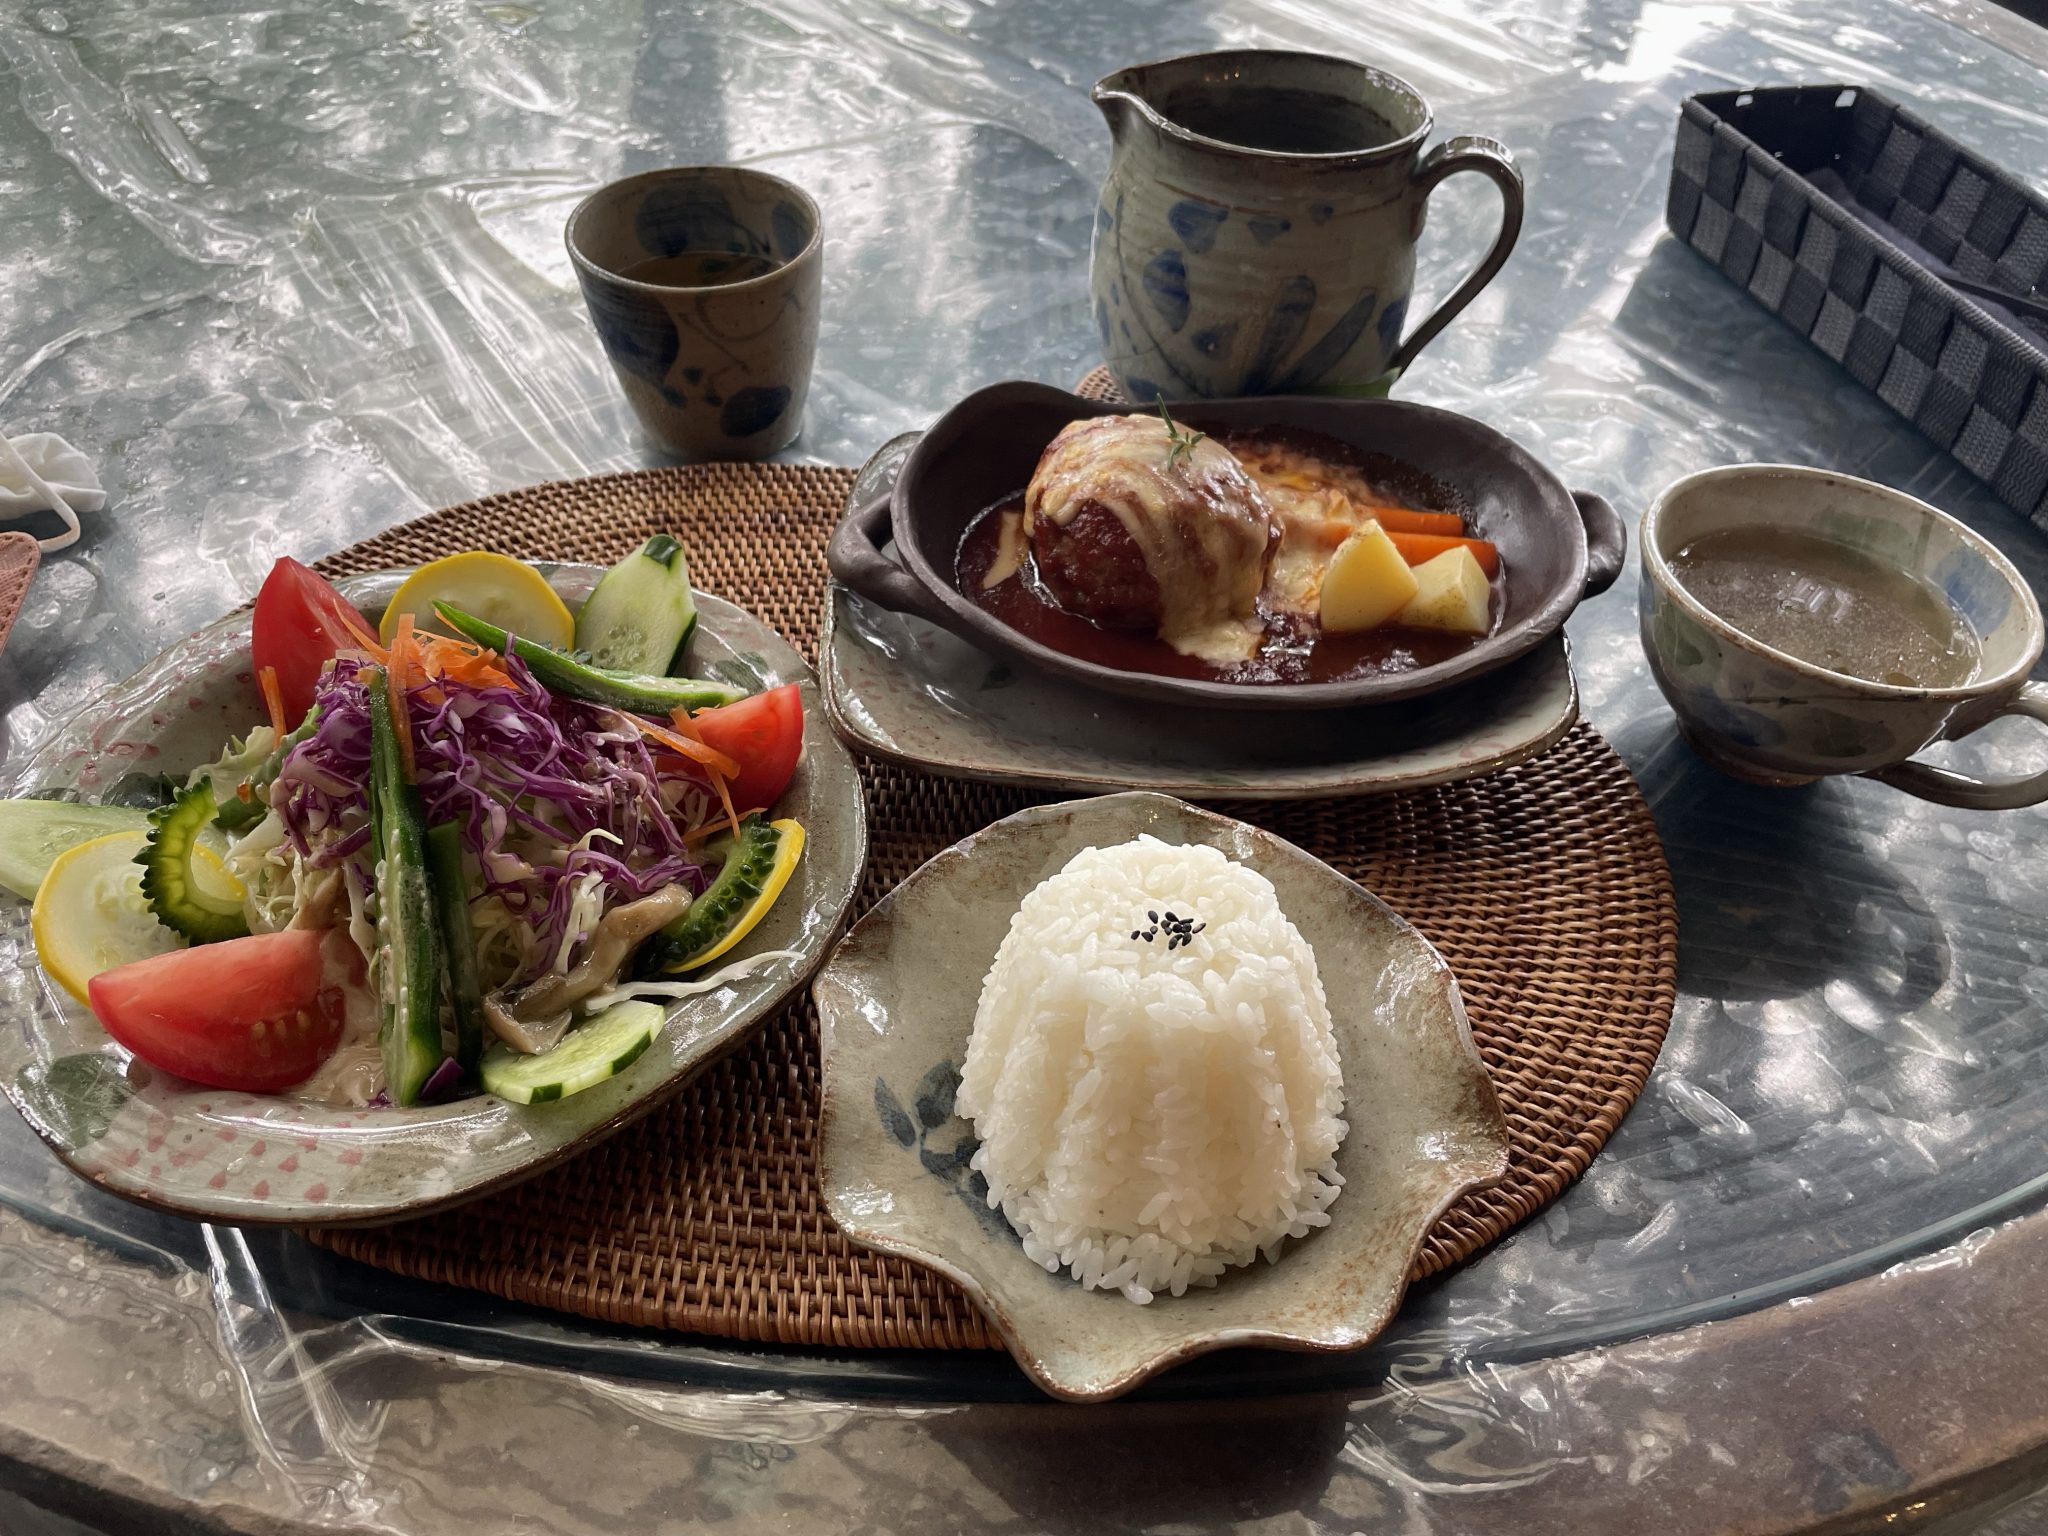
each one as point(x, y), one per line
point(897, 1001)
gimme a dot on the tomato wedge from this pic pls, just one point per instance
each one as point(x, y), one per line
point(765, 736)
point(255, 1014)
point(300, 622)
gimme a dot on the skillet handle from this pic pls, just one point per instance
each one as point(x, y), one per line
point(857, 562)
point(1606, 541)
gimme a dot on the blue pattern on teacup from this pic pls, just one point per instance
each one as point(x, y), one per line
point(637, 330)
point(1739, 723)
point(754, 408)
point(791, 229)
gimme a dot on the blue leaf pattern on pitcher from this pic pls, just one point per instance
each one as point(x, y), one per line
point(1196, 222)
point(1391, 319)
point(1285, 322)
point(1338, 340)
point(1166, 285)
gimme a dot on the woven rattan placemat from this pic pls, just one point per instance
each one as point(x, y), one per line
point(1544, 886)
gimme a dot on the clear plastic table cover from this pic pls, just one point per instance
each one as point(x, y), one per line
point(292, 272)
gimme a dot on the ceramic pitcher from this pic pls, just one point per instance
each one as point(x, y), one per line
point(1257, 231)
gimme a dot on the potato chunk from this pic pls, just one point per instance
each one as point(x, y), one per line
point(1451, 594)
point(1367, 582)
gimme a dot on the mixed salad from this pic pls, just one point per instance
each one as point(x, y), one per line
point(464, 852)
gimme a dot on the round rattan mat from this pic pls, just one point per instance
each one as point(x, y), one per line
point(1544, 886)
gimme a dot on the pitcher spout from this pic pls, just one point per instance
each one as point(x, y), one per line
point(1115, 96)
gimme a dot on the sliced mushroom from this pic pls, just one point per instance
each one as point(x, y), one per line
point(320, 897)
point(533, 1018)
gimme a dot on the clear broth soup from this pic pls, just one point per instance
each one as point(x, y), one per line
point(1830, 605)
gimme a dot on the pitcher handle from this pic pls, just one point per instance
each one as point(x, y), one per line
point(1491, 160)
point(1945, 787)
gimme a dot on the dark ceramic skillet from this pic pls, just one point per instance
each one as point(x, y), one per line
point(1558, 546)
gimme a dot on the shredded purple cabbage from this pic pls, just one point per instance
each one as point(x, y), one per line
point(442, 1082)
point(525, 773)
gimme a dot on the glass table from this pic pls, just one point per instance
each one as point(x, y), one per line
point(293, 273)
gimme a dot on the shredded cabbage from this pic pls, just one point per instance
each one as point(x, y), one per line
point(724, 976)
point(268, 868)
point(564, 809)
point(237, 761)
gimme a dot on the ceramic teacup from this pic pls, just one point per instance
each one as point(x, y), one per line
point(1769, 717)
point(703, 283)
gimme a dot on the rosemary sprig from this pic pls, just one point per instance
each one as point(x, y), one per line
point(1182, 440)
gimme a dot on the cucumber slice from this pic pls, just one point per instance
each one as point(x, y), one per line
point(451, 902)
point(407, 973)
point(754, 871)
point(33, 833)
point(601, 1047)
point(640, 617)
point(563, 673)
point(179, 901)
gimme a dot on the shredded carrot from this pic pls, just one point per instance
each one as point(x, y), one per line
point(463, 660)
point(419, 660)
point(398, 681)
point(716, 766)
point(692, 748)
point(273, 700)
point(359, 630)
point(722, 771)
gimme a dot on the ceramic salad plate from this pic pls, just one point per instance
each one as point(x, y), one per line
point(246, 1158)
point(902, 689)
point(897, 1001)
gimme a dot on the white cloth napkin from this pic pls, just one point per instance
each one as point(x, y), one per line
point(40, 472)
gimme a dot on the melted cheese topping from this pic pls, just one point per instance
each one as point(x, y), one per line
point(1197, 518)
point(1010, 548)
point(1318, 505)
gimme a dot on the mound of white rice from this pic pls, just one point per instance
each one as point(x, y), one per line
point(1154, 1110)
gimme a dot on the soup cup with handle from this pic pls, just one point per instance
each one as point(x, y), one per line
point(1767, 716)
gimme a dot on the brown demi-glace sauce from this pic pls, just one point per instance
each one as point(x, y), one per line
point(1293, 650)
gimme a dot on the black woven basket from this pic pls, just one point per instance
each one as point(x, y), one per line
point(1846, 215)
